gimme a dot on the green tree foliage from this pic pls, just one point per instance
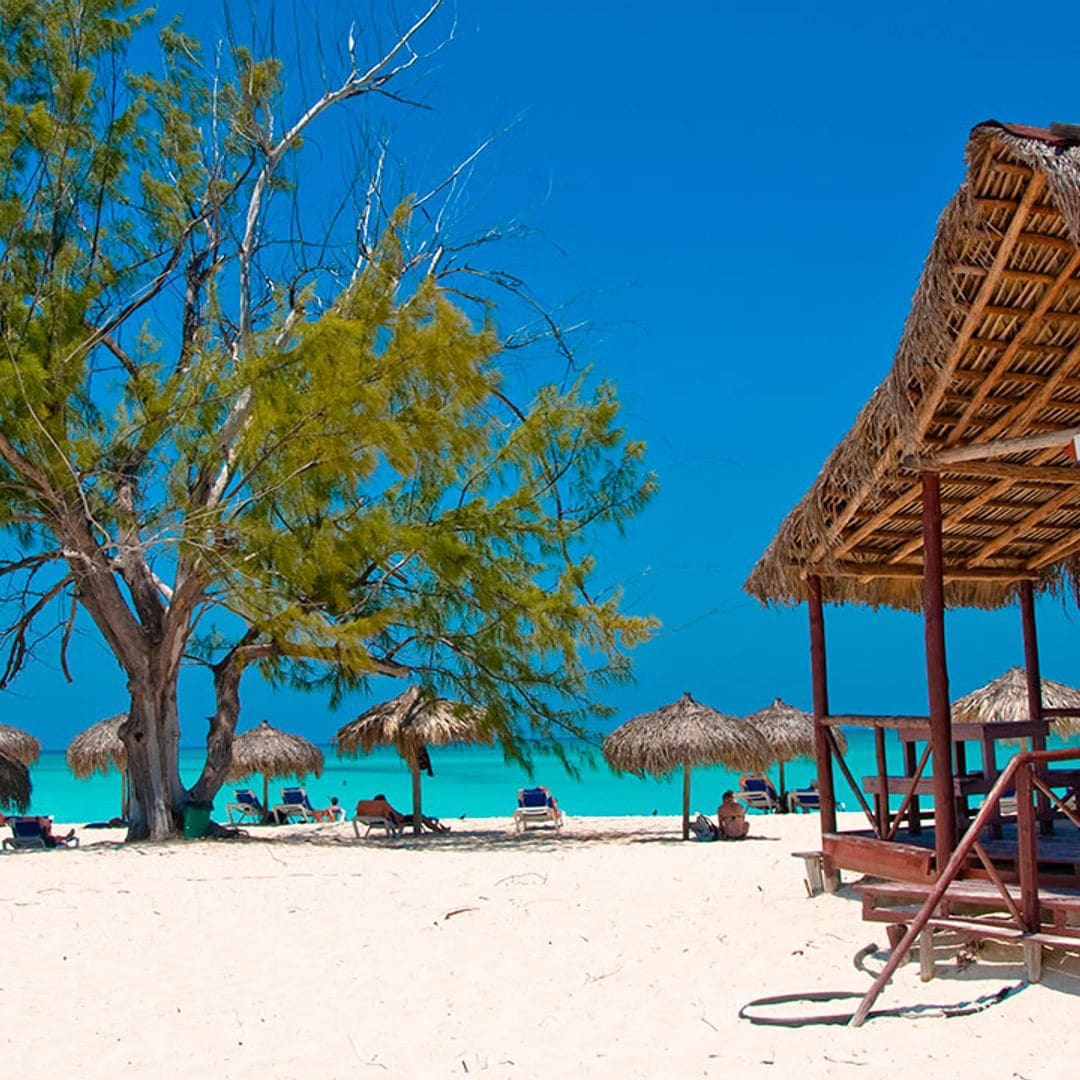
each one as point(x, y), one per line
point(201, 428)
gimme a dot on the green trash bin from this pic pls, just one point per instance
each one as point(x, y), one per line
point(196, 819)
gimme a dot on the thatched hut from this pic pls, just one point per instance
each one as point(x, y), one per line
point(15, 785)
point(99, 749)
point(19, 745)
point(1005, 700)
point(411, 722)
point(275, 754)
point(683, 735)
point(789, 733)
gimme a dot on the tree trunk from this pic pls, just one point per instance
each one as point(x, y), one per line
point(219, 739)
point(416, 811)
point(151, 737)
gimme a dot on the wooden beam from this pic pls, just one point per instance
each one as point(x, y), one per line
point(1007, 470)
point(1022, 526)
point(987, 202)
point(1015, 404)
point(996, 345)
point(980, 451)
point(871, 525)
point(870, 570)
point(1040, 311)
point(1001, 364)
point(1028, 276)
point(1059, 243)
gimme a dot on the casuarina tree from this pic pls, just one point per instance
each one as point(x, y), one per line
point(222, 440)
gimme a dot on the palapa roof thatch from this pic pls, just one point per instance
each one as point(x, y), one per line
point(789, 731)
point(410, 721)
point(15, 785)
point(686, 734)
point(18, 744)
point(990, 353)
point(273, 753)
point(98, 748)
point(1004, 700)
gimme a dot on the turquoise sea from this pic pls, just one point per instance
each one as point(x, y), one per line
point(469, 781)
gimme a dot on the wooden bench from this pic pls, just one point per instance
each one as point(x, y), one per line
point(814, 864)
point(880, 858)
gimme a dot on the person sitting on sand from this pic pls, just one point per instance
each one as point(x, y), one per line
point(732, 818)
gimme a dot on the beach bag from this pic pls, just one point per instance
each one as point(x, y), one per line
point(703, 828)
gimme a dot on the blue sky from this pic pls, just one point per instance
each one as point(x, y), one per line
point(739, 203)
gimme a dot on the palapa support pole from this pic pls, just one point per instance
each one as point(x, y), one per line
point(819, 682)
point(417, 815)
point(685, 801)
point(266, 793)
point(1034, 689)
point(937, 675)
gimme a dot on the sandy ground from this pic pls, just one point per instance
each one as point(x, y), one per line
point(612, 950)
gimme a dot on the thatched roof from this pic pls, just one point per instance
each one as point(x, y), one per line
point(98, 748)
point(273, 753)
point(1004, 700)
point(990, 353)
point(18, 744)
point(789, 731)
point(686, 733)
point(14, 784)
point(410, 721)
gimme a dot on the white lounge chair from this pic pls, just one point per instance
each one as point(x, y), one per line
point(536, 806)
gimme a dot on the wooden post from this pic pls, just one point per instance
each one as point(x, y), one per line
point(686, 802)
point(818, 678)
point(266, 792)
point(1027, 853)
point(911, 763)
point(937, 675)
point(882, 800)
point(1034, 689)
point(417, 815)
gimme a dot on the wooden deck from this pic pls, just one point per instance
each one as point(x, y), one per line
point(912, 861)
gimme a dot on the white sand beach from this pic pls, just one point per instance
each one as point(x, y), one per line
point(612, 950)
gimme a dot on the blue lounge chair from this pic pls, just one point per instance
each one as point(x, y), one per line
point(536, 806)
point(28, 832)
point(804, 799)
point(758, 793)
point(294, 803)
point(247, 805)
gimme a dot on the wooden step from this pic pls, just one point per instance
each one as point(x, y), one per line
point(882, 858)
point(1010, 934)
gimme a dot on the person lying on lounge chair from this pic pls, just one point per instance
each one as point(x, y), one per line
point(379, 805)
point(732, 818)
point(46, 824)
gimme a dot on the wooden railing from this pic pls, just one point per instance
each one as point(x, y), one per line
point(1021, 773)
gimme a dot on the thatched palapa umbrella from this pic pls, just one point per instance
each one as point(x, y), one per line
point(789, 733)
point(19, 745)
point(14, 784)
point(413, 721)
point(275, 754)
point(99, 749)
point(686, 734)
point(1004, 700)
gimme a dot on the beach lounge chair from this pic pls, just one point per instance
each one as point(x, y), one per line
point(803, 799)
point(294, 803)
point(370, 812)
point(536, 806)
point(28, 832)
point(247, 805)
point(757, 793)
